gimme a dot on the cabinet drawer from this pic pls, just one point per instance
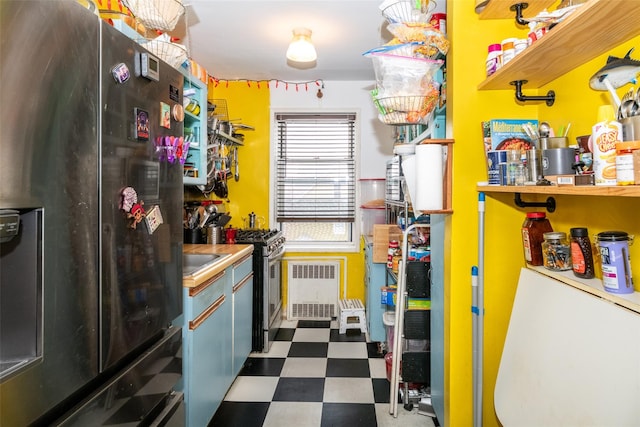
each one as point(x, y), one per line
point(202, 296)
point(242, 269)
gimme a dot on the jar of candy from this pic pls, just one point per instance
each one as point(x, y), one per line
point(556, 252)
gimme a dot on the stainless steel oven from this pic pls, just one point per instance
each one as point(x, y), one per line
point(267, 290)
point(273, 300)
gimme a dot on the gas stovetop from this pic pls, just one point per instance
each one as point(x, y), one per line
point(251, 235)
point(267, 242)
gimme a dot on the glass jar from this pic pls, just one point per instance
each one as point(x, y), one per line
point(556, 252)
point(533, 228)
point(581, 253)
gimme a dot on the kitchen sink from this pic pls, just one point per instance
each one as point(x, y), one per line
point(194, 262)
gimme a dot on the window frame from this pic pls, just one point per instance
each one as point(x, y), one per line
point(316, 246)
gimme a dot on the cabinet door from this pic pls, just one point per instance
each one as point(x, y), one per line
point(242, 321)
point(206, 385)
point(375, 279)
point(207, 355)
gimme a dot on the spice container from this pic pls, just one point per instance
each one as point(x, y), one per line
point(494, 58)
point(581, 253)
point(616, 266)
point(508, 50)
point(394, 249)
point(533, 229)
point(556, 253)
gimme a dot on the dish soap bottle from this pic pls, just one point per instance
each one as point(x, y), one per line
point(604, 136)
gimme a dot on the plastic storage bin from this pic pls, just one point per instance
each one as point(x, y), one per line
point(372, 192)
point(389, 319)
point(371, 216)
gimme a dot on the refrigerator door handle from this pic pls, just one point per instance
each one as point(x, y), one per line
point(174, 402)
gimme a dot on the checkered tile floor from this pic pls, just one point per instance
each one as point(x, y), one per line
point(313, 376)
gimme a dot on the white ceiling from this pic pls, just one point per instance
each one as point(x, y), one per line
point(248, 39)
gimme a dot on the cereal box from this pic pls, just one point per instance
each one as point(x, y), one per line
point(507, 134)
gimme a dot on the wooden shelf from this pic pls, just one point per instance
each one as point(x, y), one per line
point(500, 9)
point(593, 29)
point(594, 287)
point(586, 190)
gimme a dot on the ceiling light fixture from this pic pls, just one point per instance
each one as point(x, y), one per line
point(301, 49)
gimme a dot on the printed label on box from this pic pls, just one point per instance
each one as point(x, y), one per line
point(507, 134)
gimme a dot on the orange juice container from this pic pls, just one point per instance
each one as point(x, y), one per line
point(604, 136)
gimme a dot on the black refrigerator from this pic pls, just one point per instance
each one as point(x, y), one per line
point(90, 222)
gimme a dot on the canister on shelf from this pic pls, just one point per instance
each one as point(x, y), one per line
point(625, 174)
point(605, 134)
point(533, 229)
point(556, 253)
point(494, 58)
point(394, 249)
point(616, 265)
point(508, 50)
point(581, 253)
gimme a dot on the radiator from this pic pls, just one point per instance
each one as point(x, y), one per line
point(313, 288)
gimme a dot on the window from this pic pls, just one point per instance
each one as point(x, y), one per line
point(315, 178)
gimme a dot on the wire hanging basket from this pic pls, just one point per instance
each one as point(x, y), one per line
point(407, 10)
point(172, 53)
point(395, 110)
point(160, 15)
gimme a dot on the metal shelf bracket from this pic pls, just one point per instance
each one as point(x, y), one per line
point(550, 204)
point(518, 8)
point(550, 97)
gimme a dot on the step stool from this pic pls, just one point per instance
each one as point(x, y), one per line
point(349, 310)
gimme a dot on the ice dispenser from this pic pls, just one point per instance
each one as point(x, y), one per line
point(20, 289)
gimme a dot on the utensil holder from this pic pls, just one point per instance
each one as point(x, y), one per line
point(193, 235)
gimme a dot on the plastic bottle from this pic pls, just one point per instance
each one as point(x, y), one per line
point(616, 263)
point(605, 135)
point(581, 253)
point(494, 58)
point(624, 162)
point(533, 229)
point(508, 50)
point(394, 249)
point(531, 36)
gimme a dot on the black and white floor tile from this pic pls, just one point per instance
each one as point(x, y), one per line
point(315, 377)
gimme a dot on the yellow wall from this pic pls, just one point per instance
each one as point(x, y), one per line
point(250, 105)
point(575, 102)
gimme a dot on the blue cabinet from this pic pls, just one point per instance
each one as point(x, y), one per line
point(207, 347)
point(242, 312)
point(217, 337)
point(374, 279)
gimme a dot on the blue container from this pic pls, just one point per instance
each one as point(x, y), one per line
point(494, 159)
point(616, 266)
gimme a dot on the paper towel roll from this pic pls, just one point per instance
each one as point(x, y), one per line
point(428, 176)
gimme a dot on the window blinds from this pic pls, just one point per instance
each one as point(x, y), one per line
point(315, 168)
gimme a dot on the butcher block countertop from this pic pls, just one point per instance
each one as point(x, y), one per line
point(235, 253)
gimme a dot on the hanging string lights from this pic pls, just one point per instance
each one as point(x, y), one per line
point(271, 83)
